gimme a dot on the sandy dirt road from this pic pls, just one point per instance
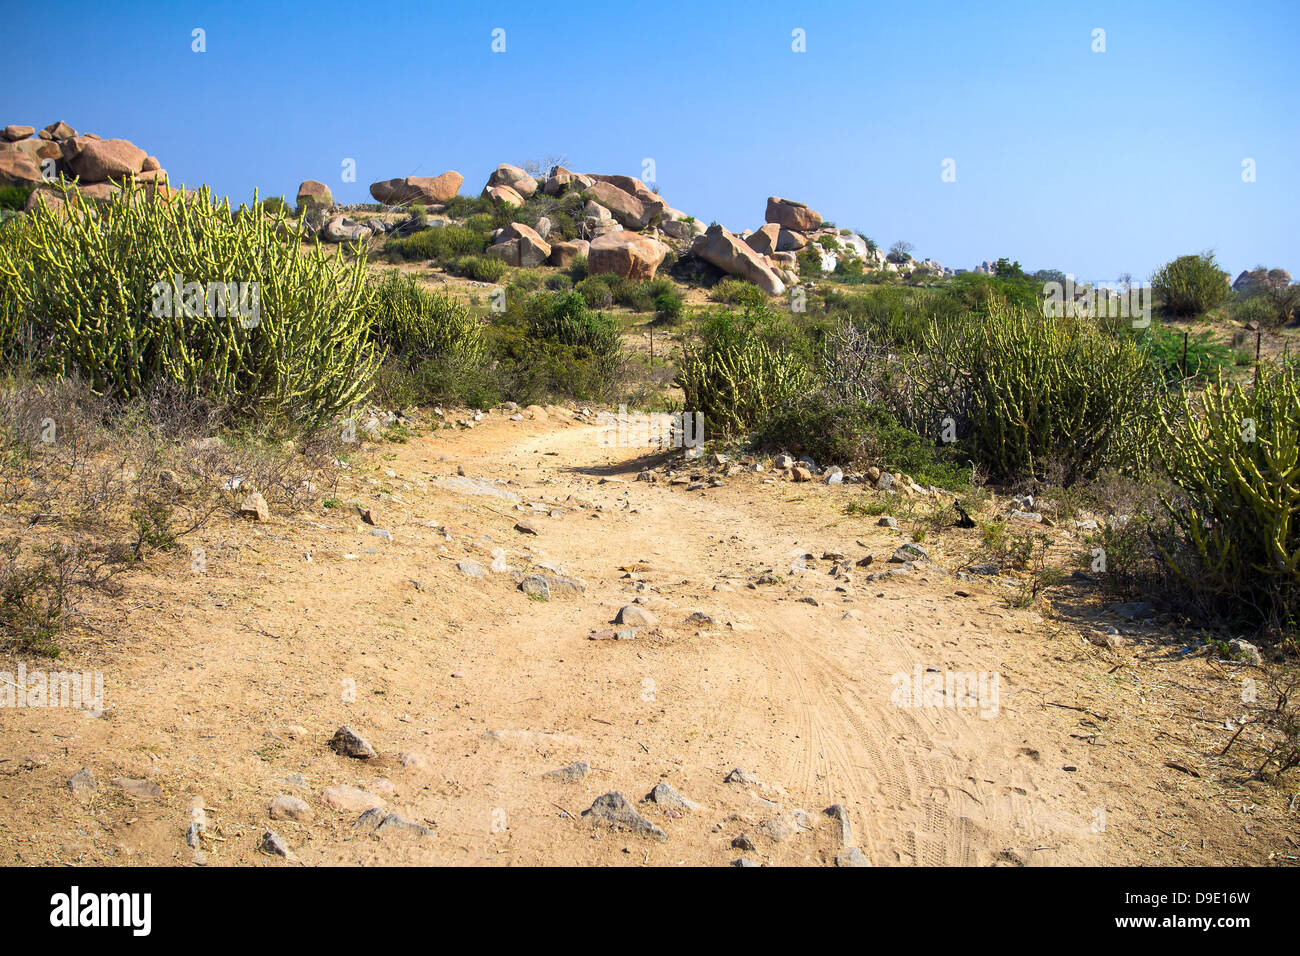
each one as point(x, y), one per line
point(223, 689)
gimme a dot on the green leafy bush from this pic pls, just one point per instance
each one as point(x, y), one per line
point(14, 197)
point(1191, 285)
point(442, 244)
point(731, 291)
point(834, 431)
point(482, 268)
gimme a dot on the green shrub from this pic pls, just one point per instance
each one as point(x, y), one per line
point(668, 306)
point(1191, 285)
point(409, 321)
point(596, 291)
point(1024, 393)
point(1202, 359)
point(482, 268)
point(834, 431)
point(739, 292)
point(276, 206)
point(442, 244)
point(553, 344)
point(94, 286)
point(14, 197)
point(1234, 452)
point(739, 374)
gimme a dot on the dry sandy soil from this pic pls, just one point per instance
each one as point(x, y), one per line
point(224, 688)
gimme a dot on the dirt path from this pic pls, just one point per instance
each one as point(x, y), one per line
point(224, 689)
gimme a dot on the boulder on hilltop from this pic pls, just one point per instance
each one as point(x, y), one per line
point(417, 189)
point(792, 215)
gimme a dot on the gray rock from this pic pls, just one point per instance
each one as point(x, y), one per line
point(573, 773)
point(534, 585)
point(83, 781)
point(636, 616)
point(908, 553)
point(664, 795)
point(382, 823)
point(612, 809)
point(852, 857)
point(888, 521)
point(743, 842)
point(1246, 651)
point(471, 569)
point(840, 817)
point(274, 844)
point(1134, 610)
point(743, 777)
point(286, 807)
point(744, 862)
point(987, 568)
point(348, 743)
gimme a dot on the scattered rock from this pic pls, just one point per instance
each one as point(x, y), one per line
point(852, 857)
point(471, 569)
point(637, 616)
point(348, 799)
point(286, 807)
point(255, 507)
point(742, 777)
point(664, 795)
point(573, 773)
point(840, 816)
point(348, 743)
point(888, 521)
point(274, 844)
point(613, 810)
point(744, 842)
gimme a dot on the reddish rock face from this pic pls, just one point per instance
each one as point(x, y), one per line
point(514, 177)
point(12, 134)
point(99, 160)
point(563, 253)
point(18, 169)
point(626, 254)
point(629, 211)
point(417, 189)
point(314, 195)
point(764, 241)
point(60, 130)
point(792, 215)
point(735, 258)
point(502, 194)
point(525, 250)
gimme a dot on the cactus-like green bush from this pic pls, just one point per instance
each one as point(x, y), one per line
point(1234, 451)
point(1024, 393)
point(142, 290)
point(416, 324)
point(739, 374)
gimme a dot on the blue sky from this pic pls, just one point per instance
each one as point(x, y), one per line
point(1094, 163)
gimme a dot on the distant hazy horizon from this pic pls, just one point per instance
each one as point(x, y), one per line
point(1062, 156)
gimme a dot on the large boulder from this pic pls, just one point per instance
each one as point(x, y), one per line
point(682, 228)
point(561, 179)
point(18, 169)
point(342, 229)
point(514, 177)
point(792, 215)
point(635, 187)
point(563, 253)
point(59, 131)
point(626, 254)
point(101, 160)
point(314, 195)
point(764, 240)
point(425, 190)
point(13, 134)
point(1254, 281)
point(629, 211)
point(734, 257)
point(520, 246)
point(502, 194)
